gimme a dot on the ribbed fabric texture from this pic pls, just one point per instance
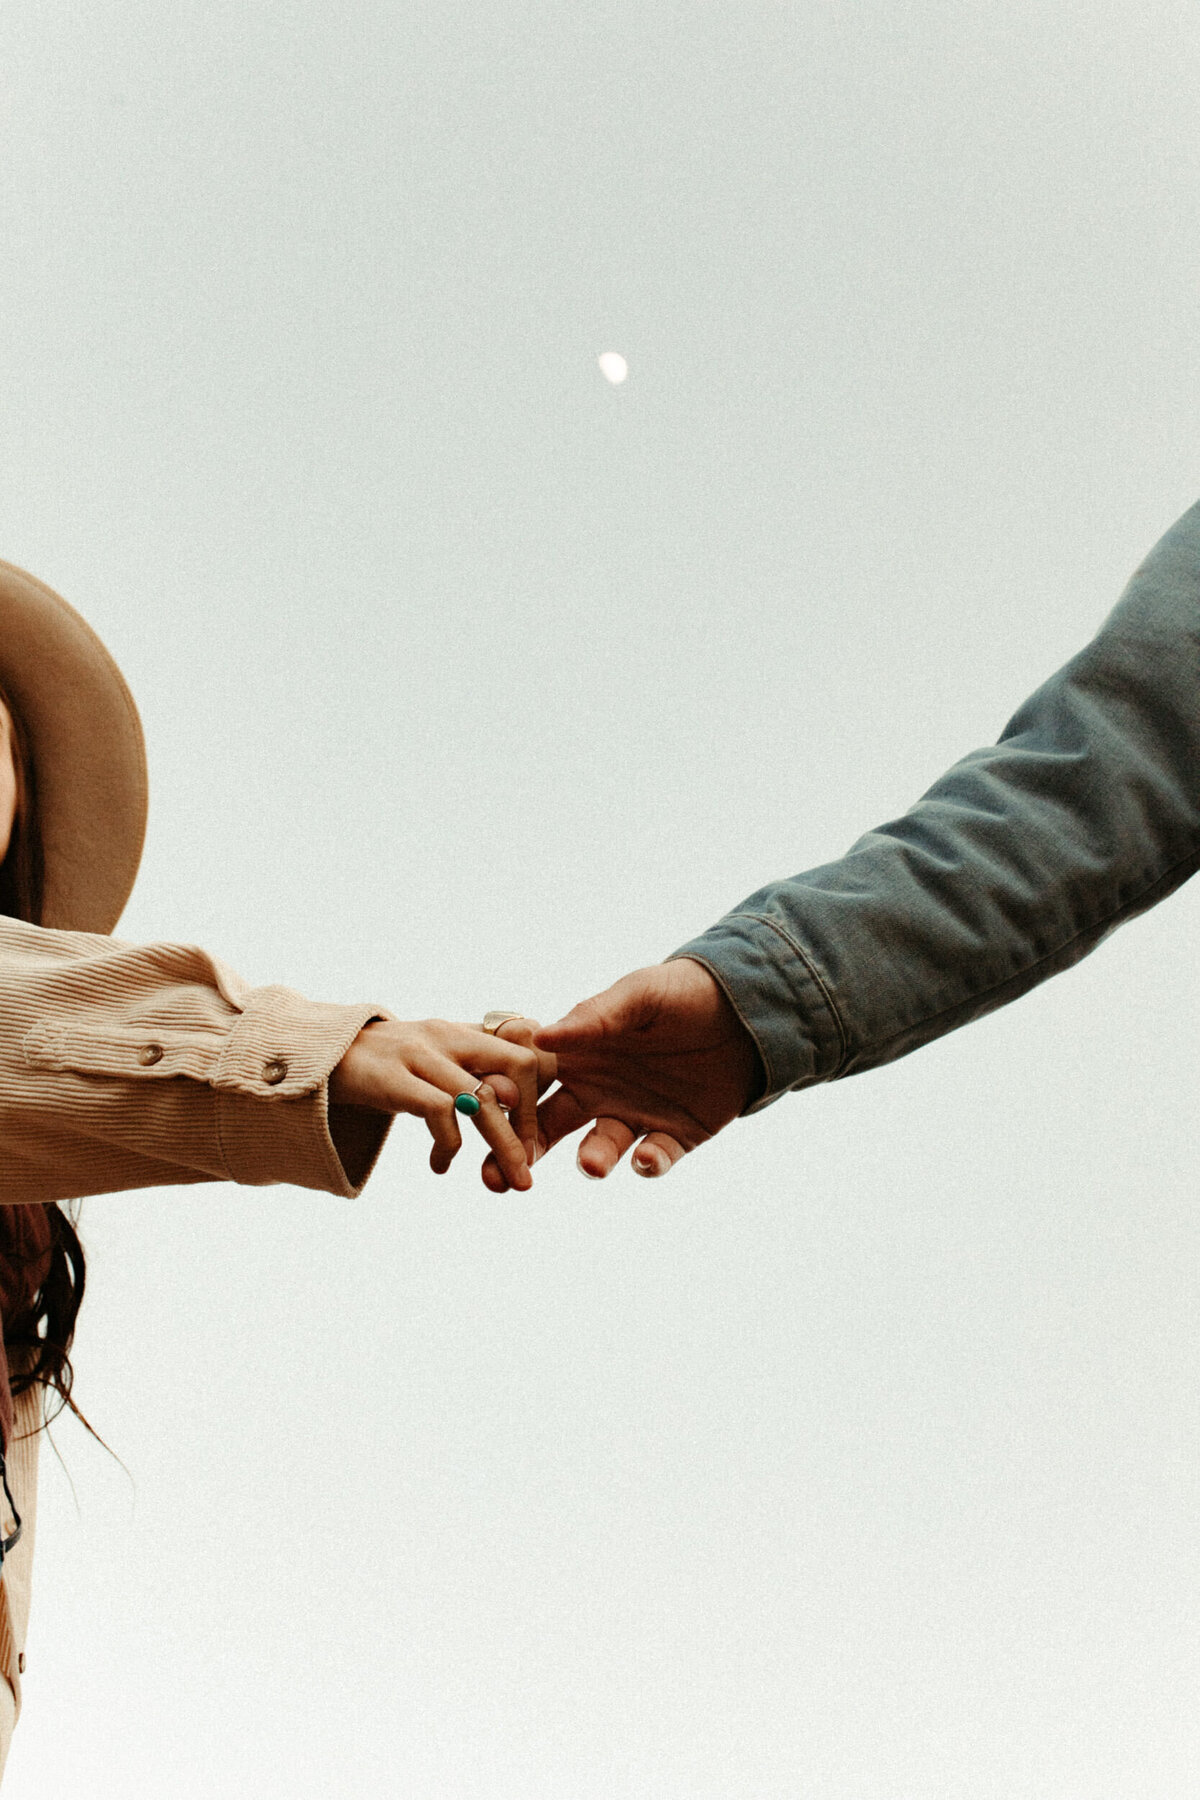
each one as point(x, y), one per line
point(123, 1067)
point(126, 1066)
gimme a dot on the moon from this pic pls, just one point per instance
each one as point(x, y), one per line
point(613, 366)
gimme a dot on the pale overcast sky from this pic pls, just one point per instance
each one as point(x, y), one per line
point(861, 1459)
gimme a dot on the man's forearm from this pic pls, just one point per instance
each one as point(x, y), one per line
point(1013, 866)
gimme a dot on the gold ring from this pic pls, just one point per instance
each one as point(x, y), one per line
point(494, 1020)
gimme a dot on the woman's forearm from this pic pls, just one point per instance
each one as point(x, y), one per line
point(126, 1066)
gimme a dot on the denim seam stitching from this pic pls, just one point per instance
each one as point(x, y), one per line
point(817, 980)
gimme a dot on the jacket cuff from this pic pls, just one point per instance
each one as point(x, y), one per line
point(283, 1046)
point(272, 1096)
point(778, 995)
point(268, 1141)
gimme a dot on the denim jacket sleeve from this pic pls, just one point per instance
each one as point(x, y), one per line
point(1014, 865)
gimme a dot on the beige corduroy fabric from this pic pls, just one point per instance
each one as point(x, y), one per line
point(125, 1066)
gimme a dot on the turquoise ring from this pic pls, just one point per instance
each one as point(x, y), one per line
point(467, 1103)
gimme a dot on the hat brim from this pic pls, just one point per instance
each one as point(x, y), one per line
point(85, 742)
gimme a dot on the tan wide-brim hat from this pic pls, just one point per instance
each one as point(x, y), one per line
point(84, 740)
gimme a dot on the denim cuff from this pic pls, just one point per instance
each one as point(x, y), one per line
point(779, 997)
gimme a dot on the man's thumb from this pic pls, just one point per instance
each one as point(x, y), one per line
point(618, 1009)
point(584, 1024)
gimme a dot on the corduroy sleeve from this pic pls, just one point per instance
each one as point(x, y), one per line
point(126, 1066)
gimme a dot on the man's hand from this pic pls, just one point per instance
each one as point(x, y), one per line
point(661, 1056)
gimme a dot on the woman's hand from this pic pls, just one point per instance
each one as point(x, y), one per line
point(402, 1066)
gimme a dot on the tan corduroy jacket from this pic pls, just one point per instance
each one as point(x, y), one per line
point(124, 1066)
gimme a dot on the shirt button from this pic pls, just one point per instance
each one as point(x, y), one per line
point(149, 1054)
point(274, 1071)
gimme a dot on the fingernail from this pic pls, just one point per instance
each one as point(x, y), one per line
point(584, 1170)
point(531, 1153)
point(650, 1162)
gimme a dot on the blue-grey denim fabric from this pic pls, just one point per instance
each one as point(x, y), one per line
point(1013, 866)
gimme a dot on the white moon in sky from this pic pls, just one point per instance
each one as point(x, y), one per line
point(613, 366)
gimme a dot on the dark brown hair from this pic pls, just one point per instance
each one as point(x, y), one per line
point(42, 1336)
